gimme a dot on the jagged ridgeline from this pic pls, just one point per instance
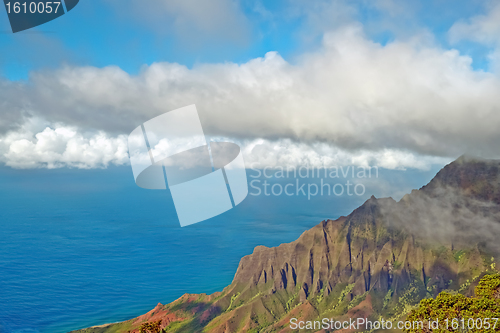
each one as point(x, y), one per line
point(378, 262)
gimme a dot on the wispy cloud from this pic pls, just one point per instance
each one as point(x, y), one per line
point(479, 28)
point(191, 22)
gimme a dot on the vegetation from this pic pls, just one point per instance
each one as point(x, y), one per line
point(151, 327)
point(457, 313)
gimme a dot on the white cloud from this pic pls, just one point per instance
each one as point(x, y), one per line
point(59, 147)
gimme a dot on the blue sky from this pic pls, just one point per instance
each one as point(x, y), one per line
point(103, 33)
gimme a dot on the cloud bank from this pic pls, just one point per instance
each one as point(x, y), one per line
point(395, 105)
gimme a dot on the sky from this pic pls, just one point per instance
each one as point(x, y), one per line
point(397, 84)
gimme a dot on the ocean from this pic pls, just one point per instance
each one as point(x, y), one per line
point(87, 247)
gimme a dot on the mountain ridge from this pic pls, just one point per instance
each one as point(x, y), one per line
point(373, 262)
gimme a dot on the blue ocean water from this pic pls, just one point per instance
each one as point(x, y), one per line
point(86, 247)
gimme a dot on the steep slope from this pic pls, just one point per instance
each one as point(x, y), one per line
point(477, 178)
point(379, 261)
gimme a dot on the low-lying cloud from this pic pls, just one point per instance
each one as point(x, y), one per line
point(39, 145)
point(448, 215)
